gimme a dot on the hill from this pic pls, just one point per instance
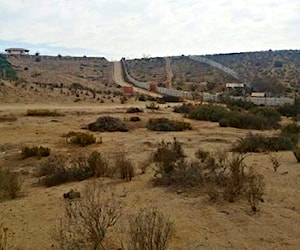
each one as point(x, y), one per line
point(271, 71)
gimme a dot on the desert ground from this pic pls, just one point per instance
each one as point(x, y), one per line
point(199, 223)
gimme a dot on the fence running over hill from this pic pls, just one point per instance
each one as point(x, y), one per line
point(207, 97)
point(216, 65)
point(160, 90)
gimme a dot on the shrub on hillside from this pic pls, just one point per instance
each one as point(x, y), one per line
point(290, 110)
point(99, 164)
point(35, 151)
point(152, 106)
point(108, 123)
point(164, 124)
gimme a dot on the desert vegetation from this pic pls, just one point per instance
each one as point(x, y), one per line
point(35, 151)
point(80, 138)
point(165, 124)
point(42, 112)
point(219, 175)
point(10, 183)
point(108, 123)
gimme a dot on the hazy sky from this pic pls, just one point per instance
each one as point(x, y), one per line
point(133, 28)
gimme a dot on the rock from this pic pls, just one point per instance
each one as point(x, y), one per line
point(72, 194)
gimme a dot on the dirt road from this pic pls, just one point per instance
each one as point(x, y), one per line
point(119, 79)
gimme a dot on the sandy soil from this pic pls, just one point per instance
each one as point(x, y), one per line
point(199, 224)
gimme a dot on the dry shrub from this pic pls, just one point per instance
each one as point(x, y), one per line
point(254, 189)
point(125, 167)
point(86, 221)
point(99, 164)
point(276, 164)
point(10, 183)
point(80, 138)
point(149, 229)
point(42, 112)
point(35, 151)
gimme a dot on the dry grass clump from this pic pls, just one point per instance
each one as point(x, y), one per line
point(86, 221)
point(35, 151)
point(165, 124)
point(10, 183)
point(149, 229)
point(135, 119)
point(80, 138)
point(99, 164)
point(109, 124)
point(42, 112)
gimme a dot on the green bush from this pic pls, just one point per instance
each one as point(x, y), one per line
point(208, 113)
point(184, 108)
point(260, 143)
point(248, 121)
point(42, 112)
point(35, 151)
point(107, 123)
point(290, 110)
point(164, 124)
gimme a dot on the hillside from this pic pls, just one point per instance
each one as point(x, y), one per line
point(271, 71)
point(93, 73)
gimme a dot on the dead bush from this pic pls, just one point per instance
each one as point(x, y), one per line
point(125, 167)
point(7, 118)
point(86, 221)
point(10, 183)
point(98, 164)
point(254, 189)
point(275, 162)
point(80, 138)
point(149, 229)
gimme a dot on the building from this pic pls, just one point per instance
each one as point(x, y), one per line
point(235, 89)
point(128, 90)
point(17, 51)
point(258, 94)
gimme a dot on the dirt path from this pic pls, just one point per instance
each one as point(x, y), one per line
point(119, 79)
point(170, 74)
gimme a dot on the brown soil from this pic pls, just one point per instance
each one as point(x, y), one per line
point(200, 224)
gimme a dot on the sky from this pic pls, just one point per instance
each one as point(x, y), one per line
point(143, 28)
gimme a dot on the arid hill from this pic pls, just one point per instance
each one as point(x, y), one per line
point(272, 71)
